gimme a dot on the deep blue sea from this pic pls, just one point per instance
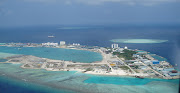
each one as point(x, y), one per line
point(94, 36)
point(99, 36)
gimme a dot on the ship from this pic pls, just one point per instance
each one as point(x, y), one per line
point(139, 77)
point(51, 36)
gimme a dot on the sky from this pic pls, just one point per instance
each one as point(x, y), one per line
point(79, 12)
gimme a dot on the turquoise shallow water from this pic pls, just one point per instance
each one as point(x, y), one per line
point(158, 57)
point(124, 80)
point(71, 81)
point(10, 85)
point(30, 80)
point(42, 81)
point(3, 60)
point(55, 53)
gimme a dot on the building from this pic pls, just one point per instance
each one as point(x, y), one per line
point(114, 46)
point(174, 74)
point(62, 43)
point(76, 44)
point(147, 62)
point(143, 67)
point(168, 69)
point(155, 62)
point(125, 47)
point(137, 63)
point(50, 44)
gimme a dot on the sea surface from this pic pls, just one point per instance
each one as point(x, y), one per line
point(14, 79)
point(55, 53)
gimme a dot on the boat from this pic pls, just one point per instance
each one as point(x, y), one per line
point(24, 79)
point(51, 36)
point(139, 77)
point(19, 48)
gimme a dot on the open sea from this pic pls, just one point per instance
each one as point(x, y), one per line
point(13, 79)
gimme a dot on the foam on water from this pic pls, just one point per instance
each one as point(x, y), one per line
point(138, 40)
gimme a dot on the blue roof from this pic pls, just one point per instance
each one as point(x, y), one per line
point(155, 62)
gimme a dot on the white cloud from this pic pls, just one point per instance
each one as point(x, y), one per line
point(99, 2)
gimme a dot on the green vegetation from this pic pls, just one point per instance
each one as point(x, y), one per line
point(127, 55)
point(107, 47)
point(27, 65)
point(124, 67)
point(136, 71)
point(89, 69)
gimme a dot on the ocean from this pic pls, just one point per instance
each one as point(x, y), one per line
point(12, 76)
point(55, 53)
point(99, 36)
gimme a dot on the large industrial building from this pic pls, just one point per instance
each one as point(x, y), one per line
point(114, 46)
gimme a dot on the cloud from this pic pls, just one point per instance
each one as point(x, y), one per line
point(99, 2)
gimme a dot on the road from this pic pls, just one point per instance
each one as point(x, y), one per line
point(152, 69)
point(127, 66)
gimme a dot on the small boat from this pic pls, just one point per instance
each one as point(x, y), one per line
point(24, 79)
point(176, 65)
point(19, 48)
point(139, 77)
point(51, 36)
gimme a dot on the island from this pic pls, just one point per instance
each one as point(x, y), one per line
point(116, 61)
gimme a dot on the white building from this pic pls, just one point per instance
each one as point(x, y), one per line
point(62, 43)
point(125, 47)
point(76, 44)
point(114, 46)
point(50, 44)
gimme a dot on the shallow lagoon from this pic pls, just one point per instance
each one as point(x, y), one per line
point(3, 55)
point(75, 82)
point(125, 80)
point(158, 57)
point(84, 83)
point(53, 53)
point(3, 60)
